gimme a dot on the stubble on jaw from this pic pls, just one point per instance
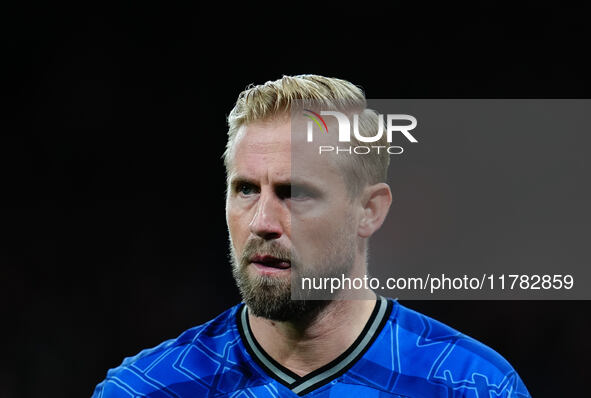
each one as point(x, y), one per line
point(270, 297)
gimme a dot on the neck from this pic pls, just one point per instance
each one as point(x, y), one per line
point(305, 345)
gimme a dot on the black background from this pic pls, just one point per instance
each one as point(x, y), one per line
point(112, 185)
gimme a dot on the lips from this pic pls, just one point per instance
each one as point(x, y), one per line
point(271, 262)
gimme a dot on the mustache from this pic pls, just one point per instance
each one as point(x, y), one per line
point(263, 247)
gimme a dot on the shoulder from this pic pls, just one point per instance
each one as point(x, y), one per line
point(194, 354)
point(443, 355)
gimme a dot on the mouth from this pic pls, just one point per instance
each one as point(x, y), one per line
point(270, 263)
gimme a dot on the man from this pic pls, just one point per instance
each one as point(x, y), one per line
point(292, 214)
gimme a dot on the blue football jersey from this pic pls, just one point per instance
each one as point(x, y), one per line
point(400, 353)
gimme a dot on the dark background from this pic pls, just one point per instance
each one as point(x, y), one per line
point(113, 229)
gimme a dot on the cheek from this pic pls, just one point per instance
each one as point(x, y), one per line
point(234, 222)
point(312, 235)
point(316, 233)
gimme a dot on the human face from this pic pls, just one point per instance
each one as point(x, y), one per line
point(280, 227)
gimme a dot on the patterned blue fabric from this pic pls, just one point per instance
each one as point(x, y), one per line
point(412, 356)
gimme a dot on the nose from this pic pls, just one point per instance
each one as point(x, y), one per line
point(267, 220)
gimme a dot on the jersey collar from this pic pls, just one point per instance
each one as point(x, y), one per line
point(303, 385)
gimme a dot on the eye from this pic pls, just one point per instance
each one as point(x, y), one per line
point(246, 189)
point(294, 192)
point(299, 193)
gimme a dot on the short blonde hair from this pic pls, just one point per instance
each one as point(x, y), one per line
point(275, 98)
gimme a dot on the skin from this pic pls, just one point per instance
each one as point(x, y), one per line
point(259, 204)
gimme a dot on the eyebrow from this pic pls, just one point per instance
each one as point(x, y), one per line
point(236, 180)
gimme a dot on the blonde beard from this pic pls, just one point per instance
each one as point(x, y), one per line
point(271, 297)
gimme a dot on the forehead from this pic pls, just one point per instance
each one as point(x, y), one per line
point(263, 138)
point(270, 146)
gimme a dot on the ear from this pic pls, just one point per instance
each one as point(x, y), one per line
point(376, 201)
